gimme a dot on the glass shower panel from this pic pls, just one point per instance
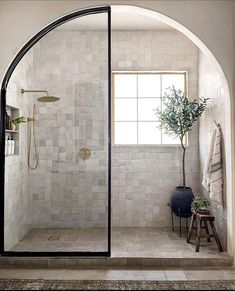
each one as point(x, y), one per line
point(67, 194)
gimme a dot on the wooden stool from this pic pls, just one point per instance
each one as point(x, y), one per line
point(202, 224)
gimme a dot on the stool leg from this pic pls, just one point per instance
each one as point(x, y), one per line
point(172, 220)
point(180, 226)
point(198, 236)
point(216, 236)
point(186, 223)
point(207, 231)
point(190, 228)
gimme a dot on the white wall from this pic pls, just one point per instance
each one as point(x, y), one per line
point(210, 21)
point(72, 65)
point(18, 202)
point(210, 86)
point(144, 177)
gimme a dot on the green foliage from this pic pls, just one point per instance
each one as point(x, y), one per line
point(178, 117)
point(200, 202)
point(180, 113)
point(19, 120)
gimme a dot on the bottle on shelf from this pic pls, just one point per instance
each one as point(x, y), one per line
point(8, 121)
point(9, 145)
point(6, 145)
point(12, 146)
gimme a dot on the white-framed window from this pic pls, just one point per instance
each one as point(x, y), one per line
point(136, 96)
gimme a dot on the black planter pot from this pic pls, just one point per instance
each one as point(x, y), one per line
point(181, 201)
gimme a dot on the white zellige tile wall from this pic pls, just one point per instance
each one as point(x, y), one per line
point(210, 86)
point(72, 64)
point(143, 177)
point(18, 200)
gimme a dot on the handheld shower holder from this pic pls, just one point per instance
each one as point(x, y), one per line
point(30, 119)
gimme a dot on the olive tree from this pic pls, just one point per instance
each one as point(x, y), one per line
point(179, 115)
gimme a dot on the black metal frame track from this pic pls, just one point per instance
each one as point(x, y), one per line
point(10, 70)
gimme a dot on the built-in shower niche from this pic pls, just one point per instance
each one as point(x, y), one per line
point(13, 112)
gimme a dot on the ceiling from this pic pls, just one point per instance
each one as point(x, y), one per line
point(121, 20)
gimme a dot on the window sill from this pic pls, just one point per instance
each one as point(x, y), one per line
point(149, 145)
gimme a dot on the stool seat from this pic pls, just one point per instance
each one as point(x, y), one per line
point(205, 217)
point(201, 220)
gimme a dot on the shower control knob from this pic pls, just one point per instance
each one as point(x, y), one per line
point(84, 153)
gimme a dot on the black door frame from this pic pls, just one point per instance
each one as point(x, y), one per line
point(10, 70)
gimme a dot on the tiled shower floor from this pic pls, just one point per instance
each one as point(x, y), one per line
point(63, 240)
point(126, 242)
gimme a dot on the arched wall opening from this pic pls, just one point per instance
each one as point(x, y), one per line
point(224, 84)
point(211, 81)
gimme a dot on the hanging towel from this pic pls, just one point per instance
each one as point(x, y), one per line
point(206, 172)
point(216, 179)
point(213, 175)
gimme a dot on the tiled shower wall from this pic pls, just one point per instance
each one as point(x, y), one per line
point(73, 65)
point(143, 177)
point(73, 193)
point(210, 86)
point(17, 197)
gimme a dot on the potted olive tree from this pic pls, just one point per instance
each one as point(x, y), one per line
point(177, 119)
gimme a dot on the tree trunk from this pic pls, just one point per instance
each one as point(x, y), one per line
point(183, 162)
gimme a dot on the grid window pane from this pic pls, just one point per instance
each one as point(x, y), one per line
point(125, 133)
point(149, 85)
point(137, 96)
point(169, 80)
point(149, 133)
point(125, 85)
point(126, 109)
point(147, 108)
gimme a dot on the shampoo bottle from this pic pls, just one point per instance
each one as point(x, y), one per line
point(9, 145)
point(6, 145)
point(12, 146)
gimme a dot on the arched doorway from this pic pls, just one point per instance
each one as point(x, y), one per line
point(151, 14)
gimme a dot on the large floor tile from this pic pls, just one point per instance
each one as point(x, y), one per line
point(126, 242)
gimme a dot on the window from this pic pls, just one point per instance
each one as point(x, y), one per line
point(136, 96)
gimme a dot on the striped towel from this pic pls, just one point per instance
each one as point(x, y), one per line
point(213, 175)
point(206, 172)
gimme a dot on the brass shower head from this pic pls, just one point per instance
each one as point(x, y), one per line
point(45, 98)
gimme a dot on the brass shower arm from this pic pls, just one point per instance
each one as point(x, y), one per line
point(46, 98)
point(33, 91)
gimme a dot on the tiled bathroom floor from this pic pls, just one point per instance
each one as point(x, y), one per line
point(126, 242)
point(64, 240)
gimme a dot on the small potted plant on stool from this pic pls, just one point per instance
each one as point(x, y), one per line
point(201, 205)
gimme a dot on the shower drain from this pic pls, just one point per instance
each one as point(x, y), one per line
point(54, 237)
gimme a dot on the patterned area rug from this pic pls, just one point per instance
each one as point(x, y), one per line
point(6, 284)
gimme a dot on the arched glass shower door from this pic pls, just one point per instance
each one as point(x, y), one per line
point(62, 207)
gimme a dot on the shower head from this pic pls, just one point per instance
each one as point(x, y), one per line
point(45, 98)
point(48, 98)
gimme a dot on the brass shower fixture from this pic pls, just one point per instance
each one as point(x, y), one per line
point(45, 98)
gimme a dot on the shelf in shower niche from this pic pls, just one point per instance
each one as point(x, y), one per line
point(12, 131)
point(13, 112)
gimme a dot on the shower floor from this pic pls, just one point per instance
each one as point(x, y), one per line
point(64, 240)
point(126, 242)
